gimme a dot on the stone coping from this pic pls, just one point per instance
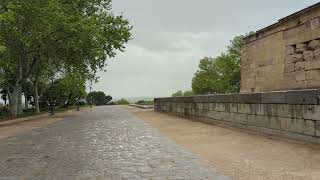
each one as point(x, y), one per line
point(307, 96)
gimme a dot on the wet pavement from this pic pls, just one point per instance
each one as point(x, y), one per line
point(100, 143)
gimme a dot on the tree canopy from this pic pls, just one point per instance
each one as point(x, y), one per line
point(220, 74)
point(98, 98)
point(54, 38)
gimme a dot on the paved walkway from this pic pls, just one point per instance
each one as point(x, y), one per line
point(102, 143)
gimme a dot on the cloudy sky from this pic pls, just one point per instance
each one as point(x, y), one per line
point(171, 36)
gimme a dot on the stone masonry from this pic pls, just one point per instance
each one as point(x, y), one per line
point(290, 114)
point(285, 55)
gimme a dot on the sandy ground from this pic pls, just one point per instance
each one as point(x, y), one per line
point(33, 122)
point(237, 153)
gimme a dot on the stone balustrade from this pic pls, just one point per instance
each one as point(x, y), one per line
point(290, 114)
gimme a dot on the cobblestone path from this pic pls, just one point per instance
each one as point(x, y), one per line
point(101, 143)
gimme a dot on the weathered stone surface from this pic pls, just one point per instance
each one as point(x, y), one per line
point(308, 55)
point(233, 107)
point(313, 75)
point(294, 58)
point(314, 44)
point(289, 67)
point(219, 107)
point(244, 108)
point(299, 66)
point(274, 122)
point(290, 50)
point(301, 47)
point(313, 84)
point(301, 97)
point(317, 127)
point(317, 54)
point(241, 118)
point(259, 121)
point(315, 23)
point(311, 112)
point(273, 98)
point(226, 116)
point(298, 126)
point(300, 75)
point(309, 65)
point(214, 115)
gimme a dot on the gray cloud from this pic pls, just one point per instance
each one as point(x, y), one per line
point(170, 37)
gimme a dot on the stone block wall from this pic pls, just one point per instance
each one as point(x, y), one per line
point(290, 114)
point(283, 56)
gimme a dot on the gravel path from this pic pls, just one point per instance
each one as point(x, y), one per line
point(102, 143)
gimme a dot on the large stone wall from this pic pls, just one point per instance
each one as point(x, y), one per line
point(291, 114)
point(284, 56)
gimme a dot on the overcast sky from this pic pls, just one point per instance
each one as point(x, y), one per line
point(171, 36)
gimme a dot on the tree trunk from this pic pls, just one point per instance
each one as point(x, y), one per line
point(20, 108)
point(25, 101)
point(36, 98)
point(13, 102)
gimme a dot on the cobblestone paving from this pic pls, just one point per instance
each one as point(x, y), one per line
point(102, 143)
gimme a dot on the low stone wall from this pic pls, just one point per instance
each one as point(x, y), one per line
point(291, 114)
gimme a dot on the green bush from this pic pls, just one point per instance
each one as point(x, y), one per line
point(122, 102)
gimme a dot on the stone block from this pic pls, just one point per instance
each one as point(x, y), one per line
point(309, 65)
point(214, 115)
point(211, 106)
point(300, 75)
point(241, 118)
point(199, 106)
point(314, 44)
point(233, 107)
point(308, 55)
point(250, 98)
point(313, 74)
point(219, 107)
point(294, 58)
point(273, 98)
point(289, 68)
point(290, 50)
point(317, 127)
point(259, 121)
point(257, 109)
point(206, 106)
point(201, 99)
point(274, 122)
point(283, 110)
point(311, 112)
point(301, 47)
point(301, 97)
point(314, 23)
point(300, 126)
point(244, 108)
point(299, 66)
point(316, 54)
point(225, 116)
point(313, 84)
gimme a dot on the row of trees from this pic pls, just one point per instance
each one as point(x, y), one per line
point(220, 74)
point(49, 49)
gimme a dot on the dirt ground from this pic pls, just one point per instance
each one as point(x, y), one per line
point(21, 125)
point(237, 153)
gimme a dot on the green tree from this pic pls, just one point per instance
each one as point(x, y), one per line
point(220, 74)
point(181, 93)
point(177, 94)
point(73, 34)
point(98, 98)
point(122, 101)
